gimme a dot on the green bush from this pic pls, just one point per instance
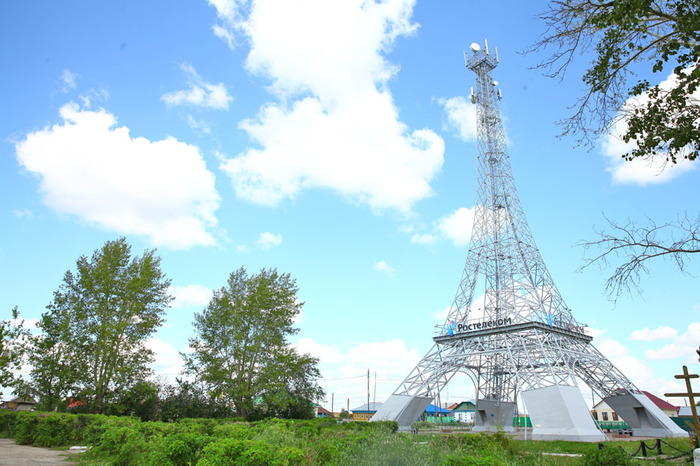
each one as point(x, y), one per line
point(461, 460)
point(25, 428)
point(236, 430)
point(8, 423)
point(122, 444)
point(223, 452)
point(179, 449)
point(291, 456)
point(607, 456)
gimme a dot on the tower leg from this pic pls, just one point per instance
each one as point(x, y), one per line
point(404, 409)
point(643, 416)
point(558, 412)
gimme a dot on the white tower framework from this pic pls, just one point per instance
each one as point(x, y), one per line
point(525, 341)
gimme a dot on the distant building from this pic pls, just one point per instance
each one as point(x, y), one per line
point(19, 404)
point(668, 409)
point(365, 412)
point(435, 414)
point(323, 412)
point(607, 418)
point(464, 411)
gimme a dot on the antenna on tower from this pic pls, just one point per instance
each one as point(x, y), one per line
point(496, 49)
point(486, 44)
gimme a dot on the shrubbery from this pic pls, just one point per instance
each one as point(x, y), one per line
point(213, 442)
point(128, 440)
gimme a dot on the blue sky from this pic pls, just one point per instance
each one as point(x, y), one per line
point(331, 140)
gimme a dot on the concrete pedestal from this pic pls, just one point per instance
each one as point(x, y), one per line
point(643, 416)
point(492, 416)
point(559, 413)
point(403, 409)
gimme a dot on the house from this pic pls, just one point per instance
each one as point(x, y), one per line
point(607, 418)
point(464, 411)
point(19, 404)
point(684, 420)
point(667, 408)
point(436, 414)
point(322, 412)
point(365, 412)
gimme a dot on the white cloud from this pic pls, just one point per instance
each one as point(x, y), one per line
point(92, 169)
point(325, 354)
point(683, 346)
point(200, 93)
point(268, 240)
point(68, 78)
point(661, 333)
point(641, 171)
point(99, 95)
point(335, 125)
point(23, 213)
point(344, 373)
point(167, 360)
point(382, 266)
point(423, 238)
point(198, 125)
point(441, 314)
point(190, 295)
point(456, 227)
point(461, 115)
point(637, 370)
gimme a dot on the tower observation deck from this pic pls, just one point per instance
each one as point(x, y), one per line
point(524, 340)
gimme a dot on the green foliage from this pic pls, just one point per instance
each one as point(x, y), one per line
point(190, 400)
point(94, 330)
point(207, 442)
point(14, 342)
point(253, 367)
point(244, 452)
point(459, 460)
point(630, 38)
point(179, 449)
point(141, 400)
point(607, 456)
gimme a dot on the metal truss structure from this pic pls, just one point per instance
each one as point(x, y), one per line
point(525, 338)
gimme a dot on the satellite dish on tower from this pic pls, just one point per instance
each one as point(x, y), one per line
point(475, 47)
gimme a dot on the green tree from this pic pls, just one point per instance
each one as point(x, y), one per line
point(241, 352)
point(141, 400)
point(189, 399)
point(628, 39)
point(14, 341)
point(92, 344)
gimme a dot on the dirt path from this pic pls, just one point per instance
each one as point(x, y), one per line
point(23, 455)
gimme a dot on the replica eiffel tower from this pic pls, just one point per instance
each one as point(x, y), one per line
point(525, 341)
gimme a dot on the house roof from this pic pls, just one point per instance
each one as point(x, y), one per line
point(373, 407)
point(465, 406)
point(432, 409)
point(322, 410)
point(28, 401)
point(662, 404)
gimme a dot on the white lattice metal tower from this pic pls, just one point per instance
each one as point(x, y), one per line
point(525, 340)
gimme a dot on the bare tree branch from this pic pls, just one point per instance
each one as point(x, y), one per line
point(636, 245)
